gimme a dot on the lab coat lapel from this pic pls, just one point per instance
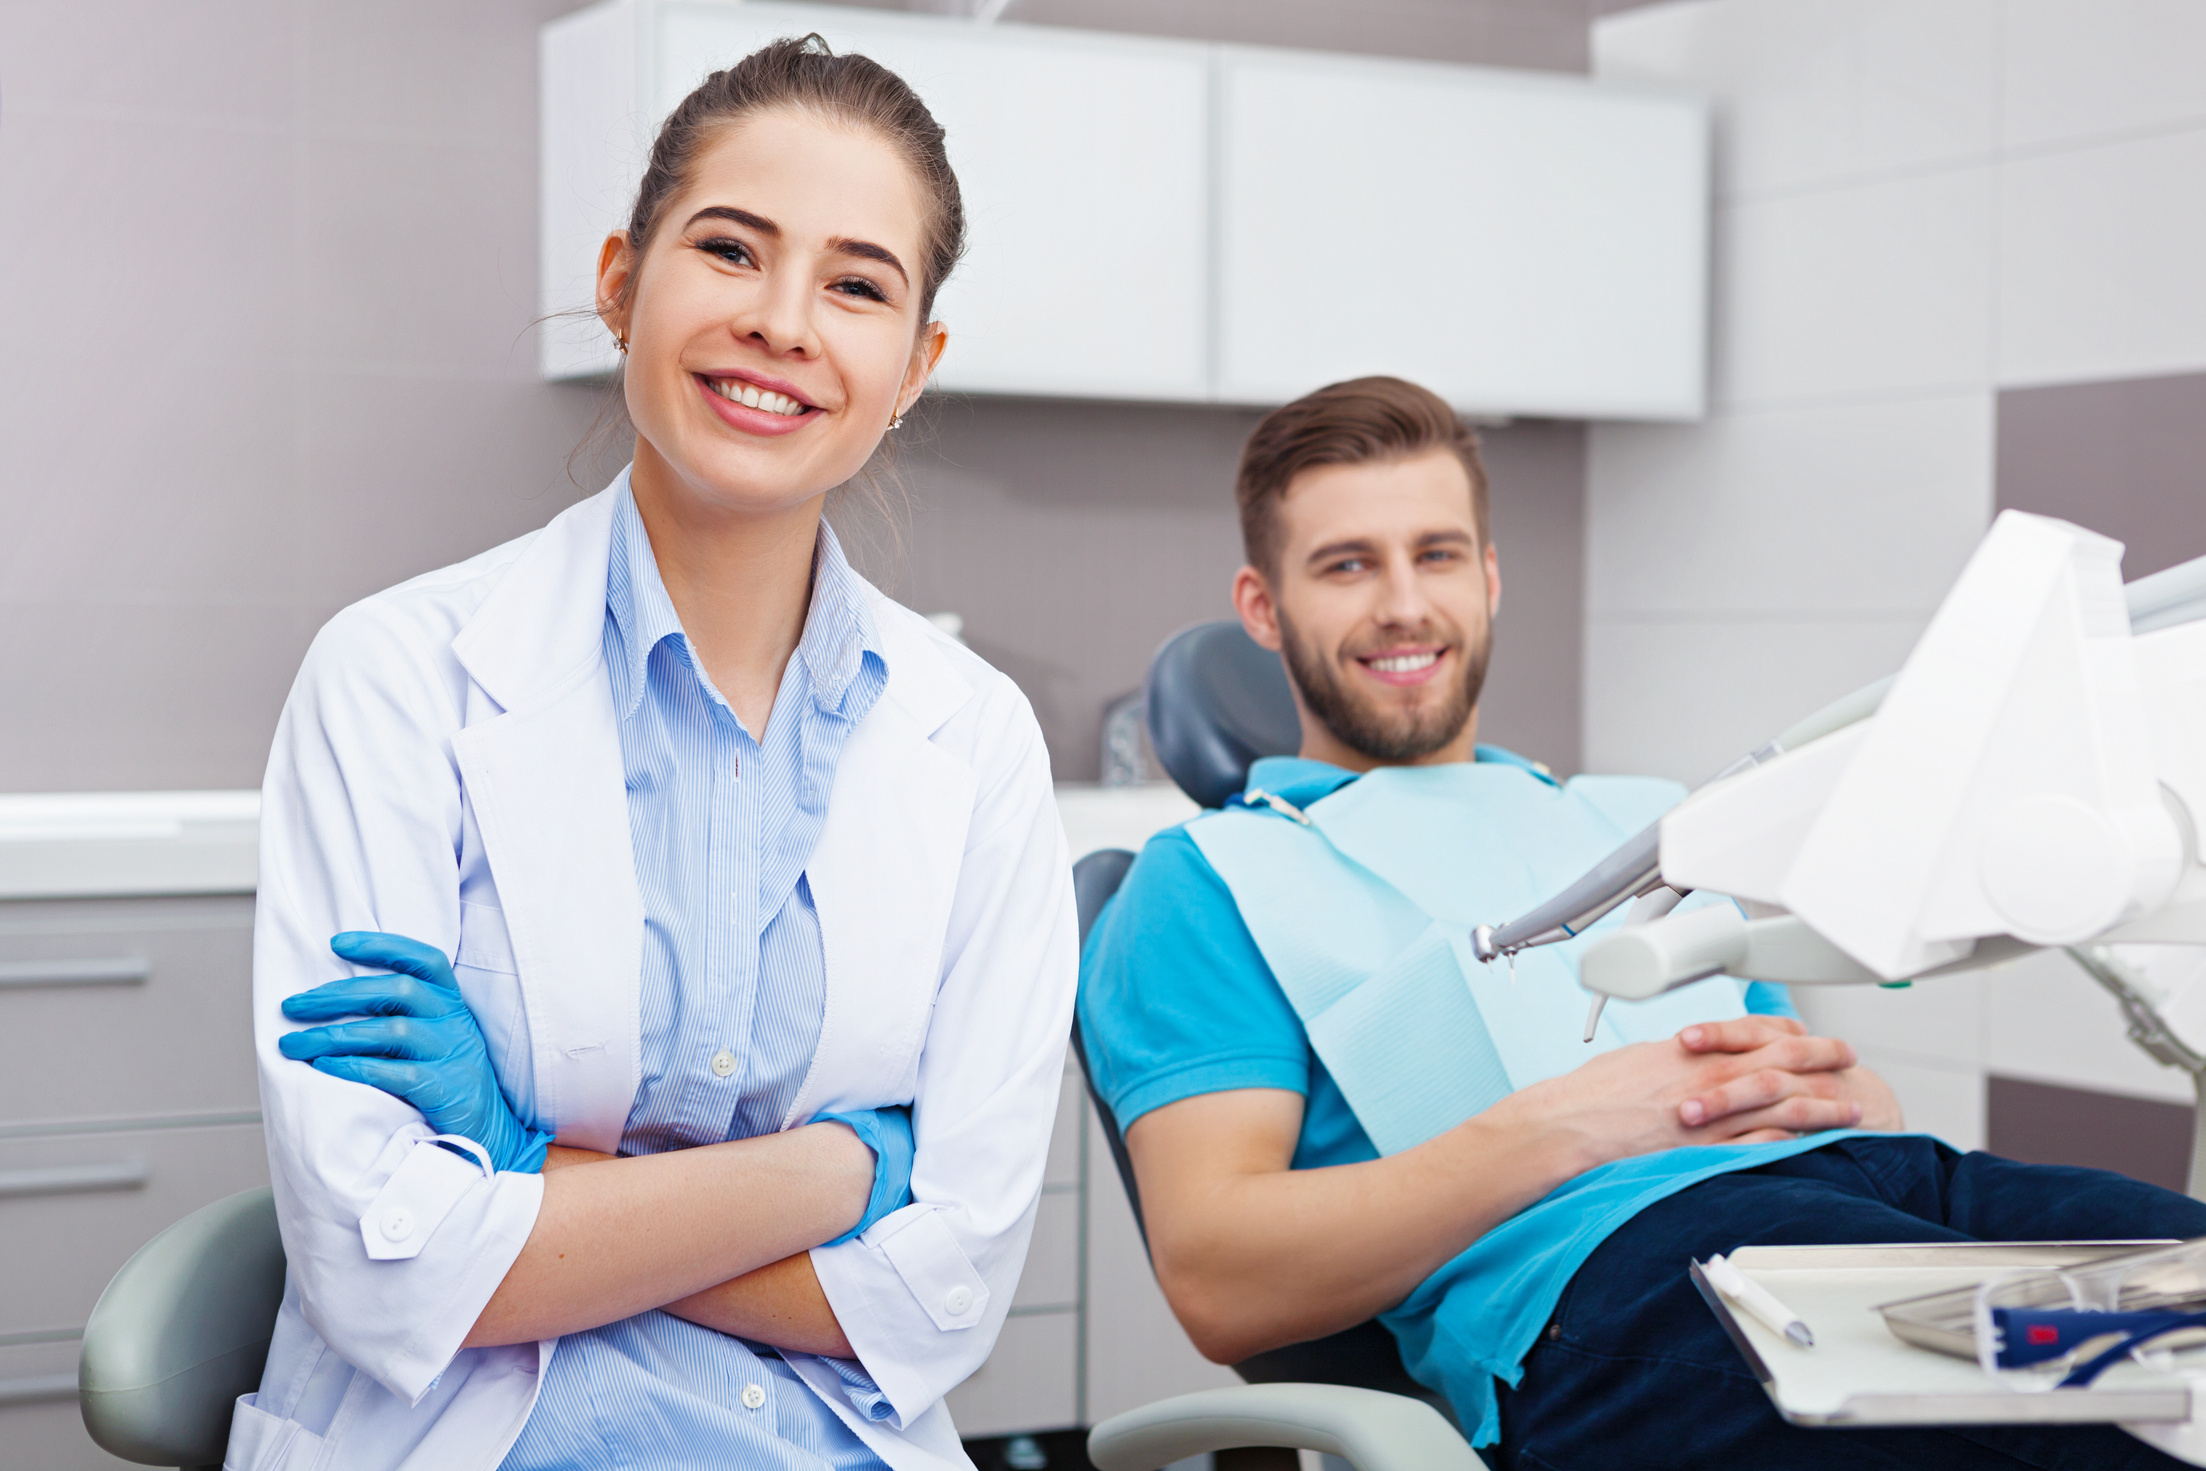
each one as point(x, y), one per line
point(546, 783)
point(883, 875)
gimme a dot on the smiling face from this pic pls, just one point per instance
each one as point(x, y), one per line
point(1383, 605)
point(773, 321)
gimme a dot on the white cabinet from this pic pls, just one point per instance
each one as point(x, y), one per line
point(1176, 221)
point(1078, 156)
point(1518, 243)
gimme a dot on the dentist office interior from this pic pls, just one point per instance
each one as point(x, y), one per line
point(1825, 286)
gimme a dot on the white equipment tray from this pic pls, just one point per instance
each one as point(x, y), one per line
point(1858, 1373)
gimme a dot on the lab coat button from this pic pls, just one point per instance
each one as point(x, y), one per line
point(398, 1224)
point(753, 1396)
point(723, 1063)
point(957, 1300)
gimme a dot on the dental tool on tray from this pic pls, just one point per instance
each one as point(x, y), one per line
point(2035, 775)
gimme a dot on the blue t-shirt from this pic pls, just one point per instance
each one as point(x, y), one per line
point(1177, 1001)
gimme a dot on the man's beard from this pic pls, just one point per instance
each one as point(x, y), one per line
point(1365, 728)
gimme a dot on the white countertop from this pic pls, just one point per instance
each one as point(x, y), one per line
point(75, 845)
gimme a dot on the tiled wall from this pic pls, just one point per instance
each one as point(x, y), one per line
point(1928, 211)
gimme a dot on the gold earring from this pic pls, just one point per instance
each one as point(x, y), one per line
point(621, 342)
point(896, 423)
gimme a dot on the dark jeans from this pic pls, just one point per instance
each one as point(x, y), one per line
point(1635, 1371)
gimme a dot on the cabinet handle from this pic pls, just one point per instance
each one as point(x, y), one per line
point(35, 1389)
point(128, 971)
point(126, 1174)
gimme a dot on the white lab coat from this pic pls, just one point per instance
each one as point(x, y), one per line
point(448, 767)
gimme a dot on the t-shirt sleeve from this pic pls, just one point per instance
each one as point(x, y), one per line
point(1175, 999)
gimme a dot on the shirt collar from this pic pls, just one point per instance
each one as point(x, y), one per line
point(1302, 781)
point(840, 633)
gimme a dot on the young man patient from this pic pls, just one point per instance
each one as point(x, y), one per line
point(1334, 1113)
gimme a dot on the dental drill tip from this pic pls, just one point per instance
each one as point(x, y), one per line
point(1798, 1332)
point(1482, 944)
point(1593, 1015)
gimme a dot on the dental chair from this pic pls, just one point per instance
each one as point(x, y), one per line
point(1216, 703)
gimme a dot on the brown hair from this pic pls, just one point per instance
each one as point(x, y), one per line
point(805, 74)
point(1354, 423)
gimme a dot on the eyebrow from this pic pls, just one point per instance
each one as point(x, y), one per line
point(1365, 546)
point(867, 250)
point(741, 217)
point(864, 249)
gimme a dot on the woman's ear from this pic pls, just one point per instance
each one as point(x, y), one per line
point(616, 263)
point(926, 353)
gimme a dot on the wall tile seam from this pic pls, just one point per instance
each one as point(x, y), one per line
point(1970, 1064)
point(1721, 409)
point(1992, 159)
point(1728, 197)
point(2129, 372)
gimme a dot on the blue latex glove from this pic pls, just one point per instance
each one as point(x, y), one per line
point(888, 1133)
point(418, 1042)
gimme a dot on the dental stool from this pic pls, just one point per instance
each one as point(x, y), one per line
point(1216, 704)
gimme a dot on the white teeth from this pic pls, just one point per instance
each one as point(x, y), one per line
point(1405, 664)
point(752, 397)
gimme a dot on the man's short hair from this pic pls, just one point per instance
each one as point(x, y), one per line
point(1359, 422)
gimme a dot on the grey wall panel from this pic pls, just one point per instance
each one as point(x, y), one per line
point(2044, 1124)
point(1073, 538)
point(2127, 458)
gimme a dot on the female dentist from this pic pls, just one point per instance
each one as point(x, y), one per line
point(732, 857)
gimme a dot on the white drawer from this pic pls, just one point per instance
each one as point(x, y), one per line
point(73, 1207)
point(126, 1008)
point(40, 1427)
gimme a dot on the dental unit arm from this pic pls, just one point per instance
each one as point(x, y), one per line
point(2034, 776)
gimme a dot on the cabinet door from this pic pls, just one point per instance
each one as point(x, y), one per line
point(1519, 244)
point(1082, 162)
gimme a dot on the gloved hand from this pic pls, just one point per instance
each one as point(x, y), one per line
point(419, 1043)
point(888, 1133)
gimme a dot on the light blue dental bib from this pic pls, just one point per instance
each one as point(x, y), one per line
point(1364, 915)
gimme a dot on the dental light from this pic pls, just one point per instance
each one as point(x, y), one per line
point(2034, 776)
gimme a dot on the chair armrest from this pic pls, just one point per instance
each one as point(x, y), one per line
point(1373, 1431)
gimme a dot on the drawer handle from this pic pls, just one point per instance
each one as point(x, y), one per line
point(128, 971)
point(126, 1174)
point(37, 1389)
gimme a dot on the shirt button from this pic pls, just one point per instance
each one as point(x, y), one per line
point(398, 1224)
point(753, 1396)
point(957, 1300)
point(723, 1063)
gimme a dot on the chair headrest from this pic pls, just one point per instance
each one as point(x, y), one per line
point(1216, 703)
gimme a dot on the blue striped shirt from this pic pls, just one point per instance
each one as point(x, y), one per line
point(734, 986)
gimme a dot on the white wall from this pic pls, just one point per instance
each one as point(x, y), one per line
point(1918, 202)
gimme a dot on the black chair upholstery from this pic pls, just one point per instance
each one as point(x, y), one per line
point(1363, 1357)
point(1215, 703)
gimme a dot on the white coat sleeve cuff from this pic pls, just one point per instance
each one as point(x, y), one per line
point(935, 1268)
point(418, 1196)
